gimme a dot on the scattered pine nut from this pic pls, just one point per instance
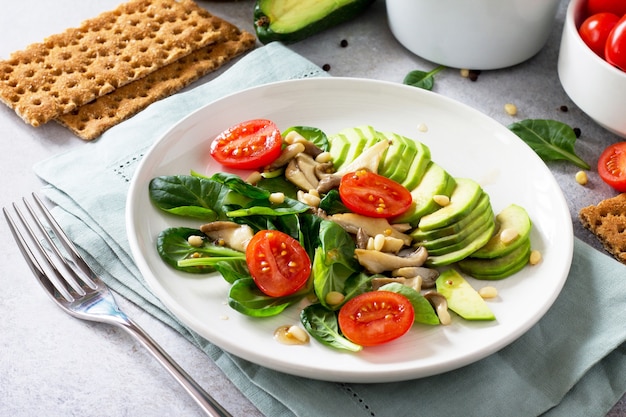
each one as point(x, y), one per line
point(581, 177)
point(535, 257)
point(254, 178)
point(464, 72)
point(510, 109)
point(441, 200)
point(508, 235)
point(277, 198)
point(488, 292)
point(422, 127)
point(195, 241)
point(334, 298)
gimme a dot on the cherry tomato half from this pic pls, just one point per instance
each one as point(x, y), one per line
point(615, 48)
point(251, 144)
point(373, 195)
point(594, 31)
point(617, 7)
point(278, 264)
point(376, 317)
point(612, 166)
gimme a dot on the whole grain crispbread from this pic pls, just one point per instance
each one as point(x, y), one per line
point(92, 119)
point(607, 221)
point(69, 69)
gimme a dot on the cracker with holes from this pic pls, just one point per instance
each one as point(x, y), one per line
point(92, 119)
point(72, 68)
point(607, 221)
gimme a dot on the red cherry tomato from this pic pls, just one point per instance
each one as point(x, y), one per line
point(615, 48)
point(594, 31)
point(373, 195)
point(612, 166)
point(617, 7)
point(248, 145)
point(376, 317)
point(278, 264)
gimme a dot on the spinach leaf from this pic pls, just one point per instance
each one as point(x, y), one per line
point(333, 261)
point(424, 312)
point(331, 203)
point(232, 270)
point(186, 195)
point(358, 284)
point(322, 325)
point(550, 139)
point(422, 79)
point(312, 134)
point(235, 183)
point(245, 297)
point(175, 250)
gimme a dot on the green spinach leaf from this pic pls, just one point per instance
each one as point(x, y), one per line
point(187, 195)
point(245, 297)
point(321, 323)
point(550, 139)
point(424, 312)
point(175, 250)
point(312, 134)
point(422, 79)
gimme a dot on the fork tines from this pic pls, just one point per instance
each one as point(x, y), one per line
point(67, 272)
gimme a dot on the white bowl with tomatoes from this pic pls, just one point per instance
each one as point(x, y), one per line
point(592, 60)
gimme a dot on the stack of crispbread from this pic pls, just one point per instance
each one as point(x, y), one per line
point(114, 65)
point(607, 221)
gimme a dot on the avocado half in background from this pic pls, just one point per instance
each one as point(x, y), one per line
point(291, 21)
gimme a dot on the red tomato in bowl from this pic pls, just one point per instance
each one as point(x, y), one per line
point(376, 317)
point(373, 195)
point(251, 144)
point(617, 7)
point(278, 264)
point(615, 48)
point(594, 31)
point(612, 166)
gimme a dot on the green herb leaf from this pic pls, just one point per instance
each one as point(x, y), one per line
point(550, 139)
point(422, 79)
point(321, 323)
point(245, 297)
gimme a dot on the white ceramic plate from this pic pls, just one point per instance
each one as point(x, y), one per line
point(462, 140)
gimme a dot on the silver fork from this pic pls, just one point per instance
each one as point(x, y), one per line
point(78, 291)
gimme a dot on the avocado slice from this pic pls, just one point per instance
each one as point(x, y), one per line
point(500, 267)
point(396, 163)
point(462, 201)
point(479, 214)
point(290, 21)
point(339, 147)
point(462, 298)
point(436, 181)
point(464, 252)
point(418, 166)
point(511, 217)
point(454, 242)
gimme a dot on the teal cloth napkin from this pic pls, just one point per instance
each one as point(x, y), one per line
point(572, 363)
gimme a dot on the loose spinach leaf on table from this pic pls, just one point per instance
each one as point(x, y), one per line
point(422, 79)
point(550, 139)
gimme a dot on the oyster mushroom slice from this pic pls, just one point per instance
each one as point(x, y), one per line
point(415, 282)
point(376, 262)
point(368, 160)
point(429, 275)
point(440, 304)
point(234, 235)
point(301, 172)
point(352, 222)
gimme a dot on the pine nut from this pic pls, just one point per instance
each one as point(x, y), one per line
point(441, 200)
point(510, 109)
point(323, 157)
point(379, 242)
point(334, 298)
point(535, 257)
point(277, 198)
point(254, 178)
point(488, 292)
point(581, 177)
point(195, 241)
point(508, 235)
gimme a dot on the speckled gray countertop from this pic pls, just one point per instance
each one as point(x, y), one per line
point(48, 361)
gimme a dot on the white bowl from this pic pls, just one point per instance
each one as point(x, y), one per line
point(597, 88)
point(472, 34)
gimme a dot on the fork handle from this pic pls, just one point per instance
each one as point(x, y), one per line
point(210, 406)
